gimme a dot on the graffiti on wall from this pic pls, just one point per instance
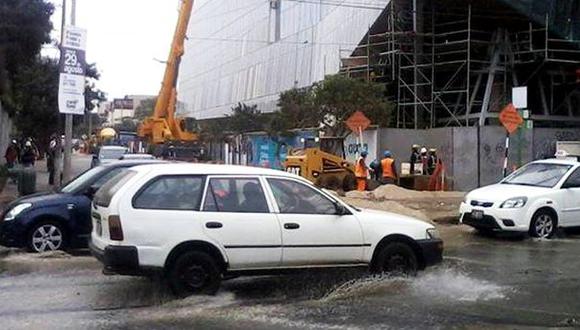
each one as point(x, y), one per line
point(263, 151)
point(353, 147)
point(545, 146)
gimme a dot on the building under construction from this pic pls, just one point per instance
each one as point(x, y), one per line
point(454, 62)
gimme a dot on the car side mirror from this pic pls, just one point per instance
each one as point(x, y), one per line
point(90, 192)
point(341, 209)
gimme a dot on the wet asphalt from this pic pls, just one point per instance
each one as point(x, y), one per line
point(484, 282)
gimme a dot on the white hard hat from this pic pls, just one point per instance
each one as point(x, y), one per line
point(28, 144)
point(423, 150)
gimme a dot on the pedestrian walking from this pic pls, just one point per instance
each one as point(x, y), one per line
point(50, 159)
point(11, 154)
point(28, 155)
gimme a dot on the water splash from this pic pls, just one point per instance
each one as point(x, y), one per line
point(444, 283)
point(451, 284)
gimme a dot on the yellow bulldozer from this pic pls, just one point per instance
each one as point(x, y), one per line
point(318, 162)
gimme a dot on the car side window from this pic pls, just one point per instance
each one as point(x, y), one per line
point(573, 180)
point(294, 197)
point(243, 195)
point(101, 181)
point(171, 193)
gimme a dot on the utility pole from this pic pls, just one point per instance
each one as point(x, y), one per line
point(68, 126)
point(58, 155)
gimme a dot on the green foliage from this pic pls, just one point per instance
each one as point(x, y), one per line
point(245, 118)
point(337, 97)
point(36, 99)
point(145, 108)
point(213, 130)
point(127, 124)
point(24, 27)
point(93, 95)
point(330, 102)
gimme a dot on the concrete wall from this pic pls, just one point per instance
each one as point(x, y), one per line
point(5, 130)
point(544, 144)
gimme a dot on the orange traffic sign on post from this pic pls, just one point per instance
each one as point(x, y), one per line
point(510, 118)
point(358, 122)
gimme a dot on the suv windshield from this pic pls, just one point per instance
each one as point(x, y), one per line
point(538, 175)
point(80, 181)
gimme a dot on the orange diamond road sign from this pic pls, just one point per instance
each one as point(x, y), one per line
point(510, 118)
point(358, 122)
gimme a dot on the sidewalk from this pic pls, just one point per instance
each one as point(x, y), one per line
point(10, 192)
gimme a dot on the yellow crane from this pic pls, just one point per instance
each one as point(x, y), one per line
point(163, 126)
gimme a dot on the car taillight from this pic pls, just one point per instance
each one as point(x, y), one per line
point(115, 229)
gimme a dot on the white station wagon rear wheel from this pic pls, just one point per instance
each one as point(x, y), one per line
point(194, 273)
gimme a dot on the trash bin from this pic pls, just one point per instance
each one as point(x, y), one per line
point(26, 181)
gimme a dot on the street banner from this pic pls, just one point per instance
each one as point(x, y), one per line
point(71, 98)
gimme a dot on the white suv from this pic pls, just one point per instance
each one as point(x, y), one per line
point(197, 223)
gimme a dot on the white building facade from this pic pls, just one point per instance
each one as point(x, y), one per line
point(251, 50)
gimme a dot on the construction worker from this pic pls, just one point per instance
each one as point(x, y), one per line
point(424, 159)
point(389, 170)
point(414, 158)
point(432, 161)
point(361, 171)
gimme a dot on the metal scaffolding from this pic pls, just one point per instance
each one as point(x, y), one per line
point(453, 63)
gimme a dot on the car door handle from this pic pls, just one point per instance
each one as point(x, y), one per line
point(213, 225)
point(291, 226)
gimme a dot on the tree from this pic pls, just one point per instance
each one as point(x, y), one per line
point(337, 97)
point(36, 100)
point(24, 27)
point(127, 124)
point(145, 108)
point(245, 118)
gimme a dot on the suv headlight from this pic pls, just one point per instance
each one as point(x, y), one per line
point(514, 203)
point(16, 210)
point(433, 233)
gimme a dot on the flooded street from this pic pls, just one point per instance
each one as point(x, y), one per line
point(483, 283)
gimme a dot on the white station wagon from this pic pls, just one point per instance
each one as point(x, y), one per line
point(197, 223)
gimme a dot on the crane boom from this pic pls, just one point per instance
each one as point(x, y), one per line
point(163, 126)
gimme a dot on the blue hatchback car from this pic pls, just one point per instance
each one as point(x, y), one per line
point(55, 221)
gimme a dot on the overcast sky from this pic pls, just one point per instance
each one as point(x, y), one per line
point(124, 36)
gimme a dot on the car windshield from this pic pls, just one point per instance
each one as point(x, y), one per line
point(111, 153)
point(80, 181)
point(538, 175)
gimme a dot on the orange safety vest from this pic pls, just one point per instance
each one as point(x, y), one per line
point(360, 169)
point(387, 166)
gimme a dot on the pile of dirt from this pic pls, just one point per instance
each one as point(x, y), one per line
point(389, 206)
point(431, 206)
point(396, 193)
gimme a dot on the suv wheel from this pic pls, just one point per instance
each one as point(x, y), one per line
point(46, 236)
point(194, 273)
point(543, 224)
point(398, 259)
